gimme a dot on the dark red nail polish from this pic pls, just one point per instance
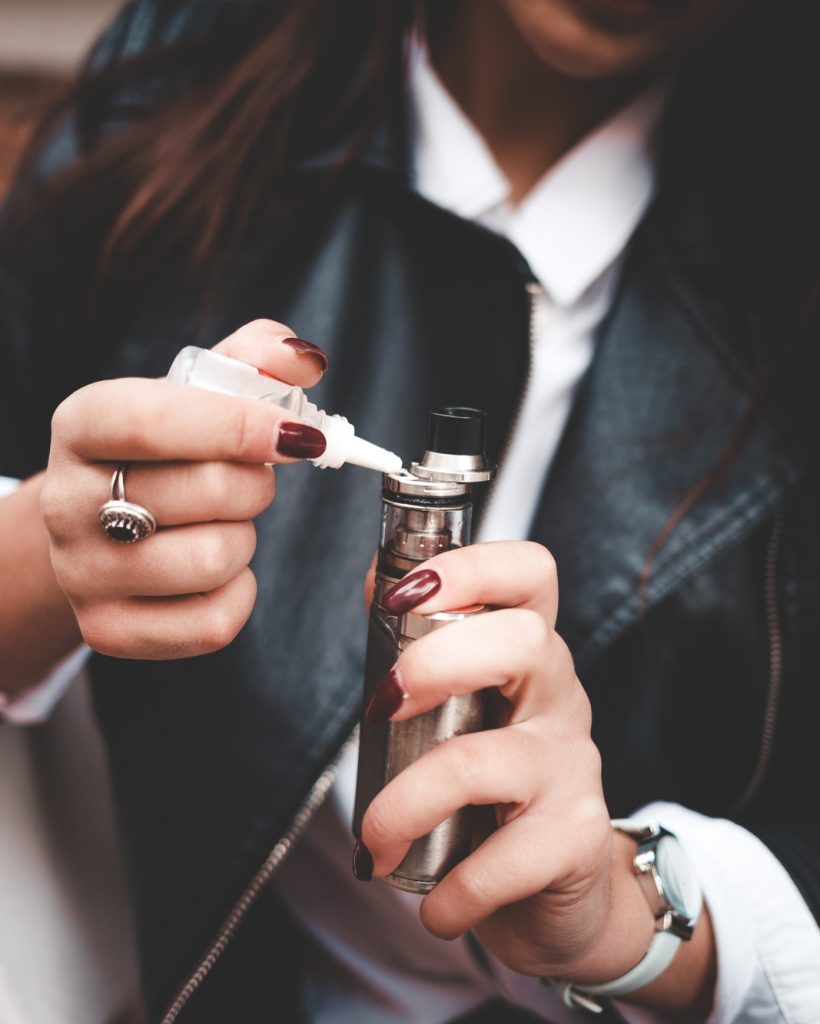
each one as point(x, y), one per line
point(299, 441)
point(386, 699)
point(362, 862)
point(411, 591)
point(307, 348)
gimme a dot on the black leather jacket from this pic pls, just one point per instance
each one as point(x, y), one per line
point(704, 688)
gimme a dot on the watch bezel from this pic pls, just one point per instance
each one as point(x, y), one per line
point(669, 915)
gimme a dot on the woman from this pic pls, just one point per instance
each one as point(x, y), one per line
point(256, 165)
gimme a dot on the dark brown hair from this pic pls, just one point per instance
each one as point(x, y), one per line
point(179, 145)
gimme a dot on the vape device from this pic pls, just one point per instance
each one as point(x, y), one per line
point(424, 511)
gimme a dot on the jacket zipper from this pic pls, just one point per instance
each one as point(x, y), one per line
point(534, 292)
point(775, 635)
point(260, 880)
point(321, 787)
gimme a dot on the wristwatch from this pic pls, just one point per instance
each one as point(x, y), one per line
point(675, 899)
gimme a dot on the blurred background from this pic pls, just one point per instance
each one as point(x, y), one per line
point(66, 948)
point(41, 44)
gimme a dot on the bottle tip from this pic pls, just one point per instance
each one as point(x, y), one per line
point(371, 456)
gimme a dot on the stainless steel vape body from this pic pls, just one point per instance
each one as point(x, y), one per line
point(424, 512)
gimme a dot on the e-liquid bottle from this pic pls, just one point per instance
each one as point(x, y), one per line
point(212, 371)
point(424, 511)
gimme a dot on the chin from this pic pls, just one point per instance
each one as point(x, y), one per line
point(614, 38)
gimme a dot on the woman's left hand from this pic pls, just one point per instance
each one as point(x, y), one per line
point(539, 888)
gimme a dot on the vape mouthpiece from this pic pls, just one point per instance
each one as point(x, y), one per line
point(457, 430)
point(456, 437)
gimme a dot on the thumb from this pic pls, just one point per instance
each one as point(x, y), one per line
point(274, 349)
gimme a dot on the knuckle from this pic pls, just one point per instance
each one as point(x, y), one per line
point(264, 490)
point(212, 481)
point(219, 628)
point(226, 613)
point(53, 507)
point(543, 558)
point(563, 653)
point(419, 663)
point(245, 541)
point(74, 407)
point(460, 762)
point(98, 628)
point(83, 410)
point(209, 557)
point(250, 589)
point(592, 821)
point(71, 576)
point(591, 760)
point(62, 419)
point(240, 426)
point(584, 711)
point(246, 490)
point(533, 634)
point(475, 883)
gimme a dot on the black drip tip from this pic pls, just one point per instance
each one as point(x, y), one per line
point(457, 430)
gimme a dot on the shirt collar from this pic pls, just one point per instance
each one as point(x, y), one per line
point(577, 220)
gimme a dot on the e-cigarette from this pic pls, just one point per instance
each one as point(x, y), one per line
point(424, 511)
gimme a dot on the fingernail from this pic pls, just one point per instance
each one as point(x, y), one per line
point(362, 862)
point(299, 441)
point(386, 699)
point(307, 348)
point(411, 591)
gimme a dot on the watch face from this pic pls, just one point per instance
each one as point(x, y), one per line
point(680, 885)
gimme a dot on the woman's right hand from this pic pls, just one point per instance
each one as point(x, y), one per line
point(198, 461)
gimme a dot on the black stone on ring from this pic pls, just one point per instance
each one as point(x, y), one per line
point(122, 520)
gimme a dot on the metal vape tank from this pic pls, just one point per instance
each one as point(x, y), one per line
point(424, 511)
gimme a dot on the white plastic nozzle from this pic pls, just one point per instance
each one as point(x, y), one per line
point(371, 456)
point(199, 367)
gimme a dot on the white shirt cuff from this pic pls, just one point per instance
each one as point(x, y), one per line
point(768, 943)
point(37, 703)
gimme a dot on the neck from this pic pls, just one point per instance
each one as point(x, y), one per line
point(529, 114)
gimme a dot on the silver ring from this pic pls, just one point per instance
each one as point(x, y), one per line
point(122, 520)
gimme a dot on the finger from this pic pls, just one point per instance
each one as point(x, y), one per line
point(515, 574)
point(177, 493)
point(275, 349)
point(535, 852)
point(519, 860)
point(161, 629)
point(513, 650)
point(503, 766)
point(178, 560)
point(155, 421)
